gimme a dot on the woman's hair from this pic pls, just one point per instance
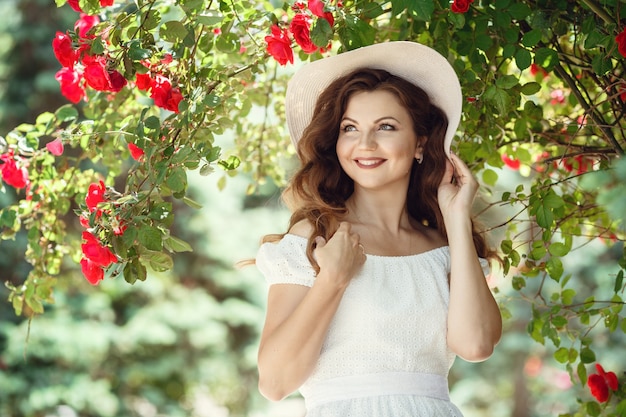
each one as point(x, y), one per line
point(319, 189)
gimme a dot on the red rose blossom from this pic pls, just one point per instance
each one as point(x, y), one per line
point(279, 45)
point(12, 174)
point(95, 195)
point(143, 82)
point(92, 272)
point(96, 252)
point(511, 162)
point(99, 77)
point(164, 95)
point(135, 151)
point(317, 8)
point(600, 383)
point(70, 80)
point(84, 25)
point(301, 28)
point(106, 3)
point(461, 6)
point(74, 5)
point(620, 40)
point(64, 50)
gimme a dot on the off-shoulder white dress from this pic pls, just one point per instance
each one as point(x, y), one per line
point(385, 354)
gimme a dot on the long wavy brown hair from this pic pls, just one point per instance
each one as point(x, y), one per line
point(319, 189)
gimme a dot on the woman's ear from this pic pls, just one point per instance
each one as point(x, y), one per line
point(419, 149)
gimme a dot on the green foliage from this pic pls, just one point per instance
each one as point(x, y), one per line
point(544, 86)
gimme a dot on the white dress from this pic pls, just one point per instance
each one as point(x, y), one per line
point(385, 354)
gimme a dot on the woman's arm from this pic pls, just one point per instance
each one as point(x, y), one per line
point(298, 317)
point(474, 319)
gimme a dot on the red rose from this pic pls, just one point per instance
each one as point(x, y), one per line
point(12, 174)
point(620, 40)
point(461, 6)
point(106, 3)
point(301, 28)
point(599, 388)
point(511, 162)
point(63, 49)
point(600, 383)
point(96, 252)
point(92, 272)
point(95, 195)
point(144, 82)
point(96, 73)
point(74, 5)
point(164, 95)
point(117, 81)
point(84, 25)
point(135, 151)
point(317, 8)
point(279, 45)
point(71, 85)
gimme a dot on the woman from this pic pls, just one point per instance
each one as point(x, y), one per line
point(378, 283)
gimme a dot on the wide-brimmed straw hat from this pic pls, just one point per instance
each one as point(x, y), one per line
point(416, 63)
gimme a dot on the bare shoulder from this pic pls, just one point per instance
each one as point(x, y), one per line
point(303, 228)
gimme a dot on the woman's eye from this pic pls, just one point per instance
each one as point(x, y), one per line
point(348, 128)
point(386, 126)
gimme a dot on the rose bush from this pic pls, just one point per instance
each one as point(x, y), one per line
point(155, 84)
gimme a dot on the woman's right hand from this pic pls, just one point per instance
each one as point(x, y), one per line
point(342, 256)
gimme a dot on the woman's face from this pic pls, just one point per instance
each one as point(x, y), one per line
point(377, 144)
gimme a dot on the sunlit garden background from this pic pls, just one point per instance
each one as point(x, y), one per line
point(143, 150)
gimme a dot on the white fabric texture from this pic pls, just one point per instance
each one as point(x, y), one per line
point(392, 319)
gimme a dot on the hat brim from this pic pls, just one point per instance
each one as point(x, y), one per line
point(416, 63)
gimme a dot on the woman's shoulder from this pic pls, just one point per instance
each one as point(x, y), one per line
point(302, 228)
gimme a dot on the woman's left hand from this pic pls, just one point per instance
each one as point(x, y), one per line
point(457, 189)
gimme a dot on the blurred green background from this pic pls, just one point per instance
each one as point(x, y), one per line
point(184, 343)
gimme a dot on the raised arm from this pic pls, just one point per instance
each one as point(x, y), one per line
point(298, 317)
point(474, 319)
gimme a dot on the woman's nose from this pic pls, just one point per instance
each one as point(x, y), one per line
point(367, 140)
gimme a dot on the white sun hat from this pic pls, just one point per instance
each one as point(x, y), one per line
point(414, 62)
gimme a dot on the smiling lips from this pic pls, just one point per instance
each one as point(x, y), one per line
point(369, 163)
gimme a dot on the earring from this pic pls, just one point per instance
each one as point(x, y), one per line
point(419, 160)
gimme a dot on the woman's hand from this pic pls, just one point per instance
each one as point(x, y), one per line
point(457, 189)
point(342, 256)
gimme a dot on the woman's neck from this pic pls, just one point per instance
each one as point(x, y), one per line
point(380, 211)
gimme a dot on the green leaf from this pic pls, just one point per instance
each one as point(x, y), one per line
point(619, 280)
point(546, 58)
point(175, 244)
point(231, 163)
point(554, 266)
point(507, 82)
point(209, 18)
point(567, 296)
point(531, 38)
point(66, 113)
point(483, 42)
point(173, 31)
point(531, 88)
point(519, 10)
point(191, 203)
point(523, 58)
point(422, 9)
point(177, 180)
point(601, 64)
point(562, 355)
point(490, 177)
point(321, 32)
point(151, 238)
point(558, 249)
point(157, 261)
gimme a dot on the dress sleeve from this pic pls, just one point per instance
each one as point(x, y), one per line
point(285, 262)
